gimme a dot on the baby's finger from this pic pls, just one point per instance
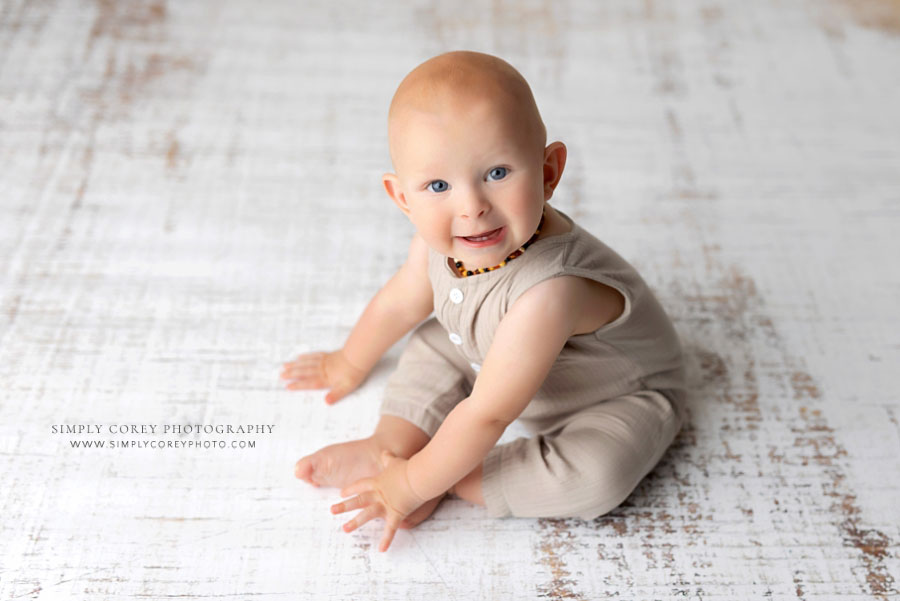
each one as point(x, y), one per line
point(306, 383)
point(391, 523)
point(389, 531)
point(308, 379)
point(304, 360)
point(298, 371)
point(360, 486)
point(360, 518)
point(336, 394)
point(350, 504)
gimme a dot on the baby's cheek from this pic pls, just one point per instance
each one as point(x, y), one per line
point(439, 240)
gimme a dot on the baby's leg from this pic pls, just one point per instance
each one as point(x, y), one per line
point(428, 382)
point(585, 468)
point(342, 464)
point(431, 378)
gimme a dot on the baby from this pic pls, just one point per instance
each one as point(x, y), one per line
point(535, 319)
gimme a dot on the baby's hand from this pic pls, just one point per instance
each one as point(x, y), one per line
point(387, 496)
point(323, 370)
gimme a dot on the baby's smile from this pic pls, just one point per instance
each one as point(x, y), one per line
point(488, 238)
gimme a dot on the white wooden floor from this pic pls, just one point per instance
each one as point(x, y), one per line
point(190, 194)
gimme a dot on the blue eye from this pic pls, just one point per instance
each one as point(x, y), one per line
point(497, 173)
point(439, 186)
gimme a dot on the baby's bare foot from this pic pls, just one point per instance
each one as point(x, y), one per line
point(340, 465)
point(421, 514)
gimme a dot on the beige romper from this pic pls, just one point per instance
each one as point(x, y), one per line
point(604, 416)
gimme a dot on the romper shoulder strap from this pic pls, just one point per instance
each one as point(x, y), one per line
point(581, 254)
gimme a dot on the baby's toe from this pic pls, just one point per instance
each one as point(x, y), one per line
point(304, 470)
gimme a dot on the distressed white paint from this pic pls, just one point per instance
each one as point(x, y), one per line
point(190, 194)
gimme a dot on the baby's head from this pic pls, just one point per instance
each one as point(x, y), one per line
point(468, 146)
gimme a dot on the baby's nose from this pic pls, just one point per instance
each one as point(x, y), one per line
point(475, 205)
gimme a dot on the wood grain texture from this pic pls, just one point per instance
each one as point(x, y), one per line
point(190, 194)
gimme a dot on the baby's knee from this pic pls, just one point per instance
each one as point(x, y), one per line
point(583, 487)
point(604, 485)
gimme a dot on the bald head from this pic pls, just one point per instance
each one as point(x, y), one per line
point(452, 81)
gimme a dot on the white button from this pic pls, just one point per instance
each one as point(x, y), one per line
point(456, 295)
point(475, 366)
point(455, 339)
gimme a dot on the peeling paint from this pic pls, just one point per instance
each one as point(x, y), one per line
point(557, 539)
point(870, 542)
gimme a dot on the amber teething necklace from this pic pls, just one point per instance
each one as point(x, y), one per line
point(463, 272)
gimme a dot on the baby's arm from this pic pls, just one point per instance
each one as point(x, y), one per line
point(402, 303)
point(526, 344)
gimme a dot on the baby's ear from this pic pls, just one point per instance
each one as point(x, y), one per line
point(392, 186)
point(554, 164)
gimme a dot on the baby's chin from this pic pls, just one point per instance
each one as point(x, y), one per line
point(480, 258)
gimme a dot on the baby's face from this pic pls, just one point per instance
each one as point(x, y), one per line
point(469, 172)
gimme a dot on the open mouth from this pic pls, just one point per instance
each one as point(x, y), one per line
point(484, 239)
point(484, 236)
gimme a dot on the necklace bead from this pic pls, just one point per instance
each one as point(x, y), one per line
point(463, 272)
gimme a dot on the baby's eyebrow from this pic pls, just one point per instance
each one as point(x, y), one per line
point(494, 159)
point(424, 178)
